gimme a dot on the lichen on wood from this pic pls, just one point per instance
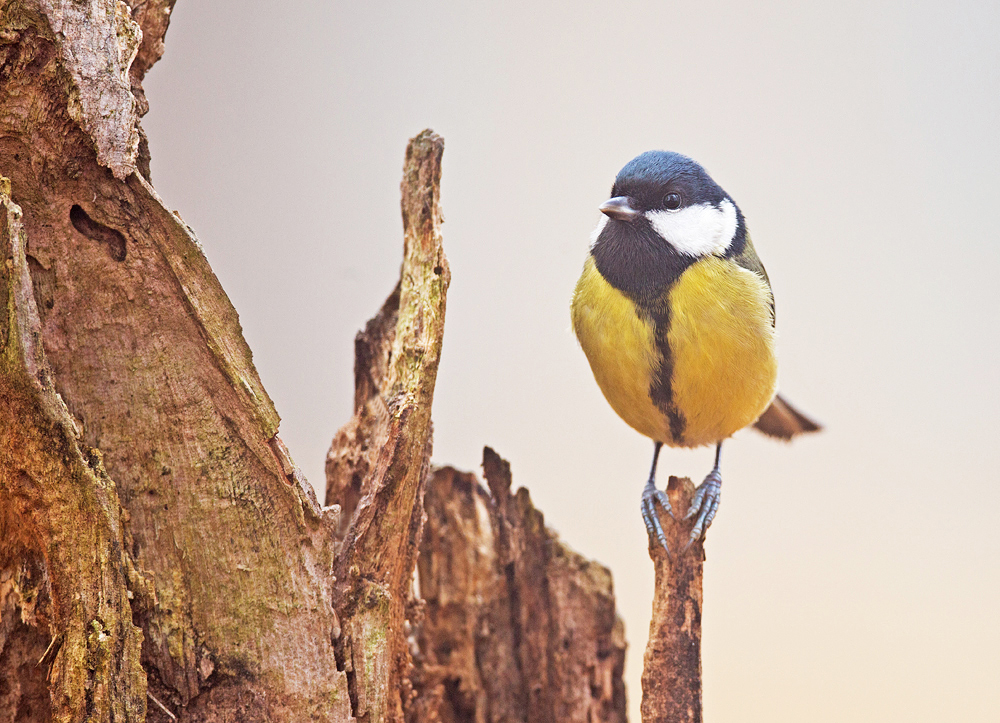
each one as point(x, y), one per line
point(97, 42)
point(161, 555)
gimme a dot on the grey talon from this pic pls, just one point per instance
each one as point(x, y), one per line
point(650, 496)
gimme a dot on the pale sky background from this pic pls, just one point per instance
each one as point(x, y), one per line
point(851, 576)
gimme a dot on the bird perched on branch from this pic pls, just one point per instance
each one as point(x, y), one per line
point(676, 316)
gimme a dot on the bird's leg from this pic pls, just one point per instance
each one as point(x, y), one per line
point(650, 496)
point(706, 501)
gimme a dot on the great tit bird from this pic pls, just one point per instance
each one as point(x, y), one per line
point(676, 316)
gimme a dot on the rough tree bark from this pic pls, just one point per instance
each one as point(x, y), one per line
point(508, 624)
point(148, 486)
point(161, 556)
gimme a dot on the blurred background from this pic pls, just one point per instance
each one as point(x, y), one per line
point(852, 575)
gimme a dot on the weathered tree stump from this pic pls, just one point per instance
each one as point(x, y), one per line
point(512, 625)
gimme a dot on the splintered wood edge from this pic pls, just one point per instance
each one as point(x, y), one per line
point(391, 495)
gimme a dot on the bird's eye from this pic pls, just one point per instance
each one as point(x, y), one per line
point(672, 201)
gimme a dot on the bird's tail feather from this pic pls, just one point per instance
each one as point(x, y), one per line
point(783, 421)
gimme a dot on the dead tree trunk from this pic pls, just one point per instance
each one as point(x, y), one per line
point(161, 556)
point(147, 500)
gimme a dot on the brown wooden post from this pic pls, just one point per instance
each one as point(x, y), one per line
point(671, 675)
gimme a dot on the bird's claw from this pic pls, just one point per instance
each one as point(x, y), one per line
point(650, 496)
point(704, 506)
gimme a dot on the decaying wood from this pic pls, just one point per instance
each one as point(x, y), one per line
point(513, 625)
point(148, 488)
point(382, 458)
point(153, 17)
point(671, 673)
point(68, 647)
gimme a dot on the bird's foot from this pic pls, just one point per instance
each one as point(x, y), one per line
point(650, 496)
point(704, 506)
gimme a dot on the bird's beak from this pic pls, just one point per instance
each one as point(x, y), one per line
point(619, 208)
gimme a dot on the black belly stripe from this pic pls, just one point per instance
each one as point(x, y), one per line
point(661, 390)
point(636, 261)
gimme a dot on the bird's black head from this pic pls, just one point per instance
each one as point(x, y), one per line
point(665, 212)
point(662, 180)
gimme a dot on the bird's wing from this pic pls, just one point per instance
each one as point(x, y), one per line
point(749, 260)
point(783, 421)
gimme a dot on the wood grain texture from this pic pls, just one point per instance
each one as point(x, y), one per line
point(157, 541)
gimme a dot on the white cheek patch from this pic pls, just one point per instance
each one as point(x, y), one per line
point(699, 230)
point(597, 231)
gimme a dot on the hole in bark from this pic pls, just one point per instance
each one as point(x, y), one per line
point(112, 239)
point(438, 270)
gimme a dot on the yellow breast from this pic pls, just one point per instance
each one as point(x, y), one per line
point(720, 341)
point(621, 349)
